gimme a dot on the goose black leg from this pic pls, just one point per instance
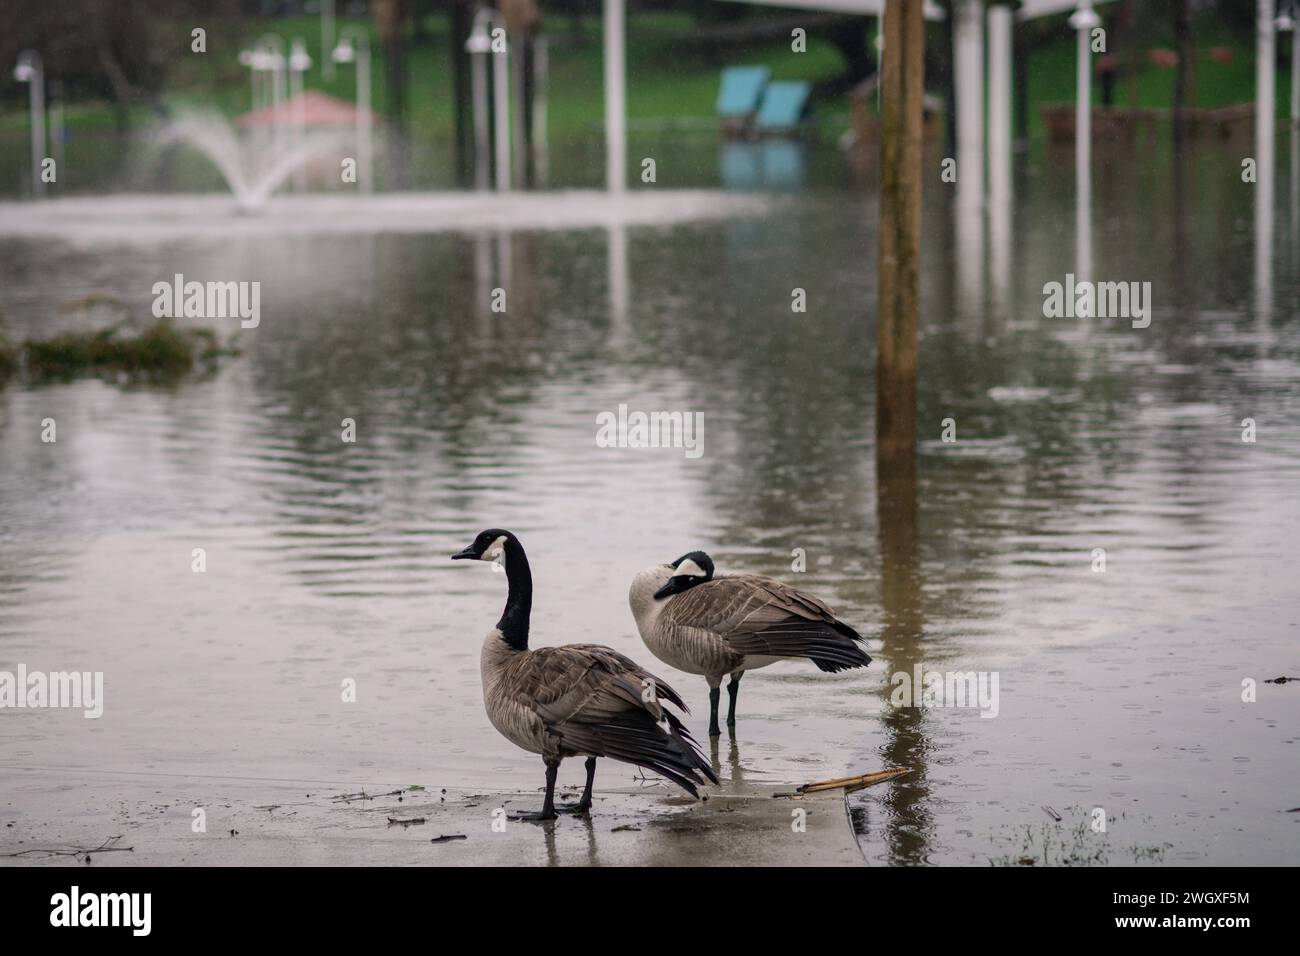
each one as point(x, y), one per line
point(715, 693)
point(583, 805)
point(733, 688)
point(548, 805)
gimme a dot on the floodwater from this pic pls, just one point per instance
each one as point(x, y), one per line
point(327, 561)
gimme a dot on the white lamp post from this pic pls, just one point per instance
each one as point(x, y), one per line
point(1084, 19)
point(1285, 23)
point(326, 39)
point(541, 69)
point(1000, 28)
point(274, 62)
point(299, 63)
point(1265, 112)
point(479, 45)
point(615, 98)
point(968, 68)
point(30, 70)
point(252, 60)
point(354, 46)
point(57, 135)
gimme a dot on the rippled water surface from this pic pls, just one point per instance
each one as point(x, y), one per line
point(326, 560)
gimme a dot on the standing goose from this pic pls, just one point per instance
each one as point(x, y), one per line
point(576, 700)
point(734, 623)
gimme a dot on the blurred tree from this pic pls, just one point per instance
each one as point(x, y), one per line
point(116, 50)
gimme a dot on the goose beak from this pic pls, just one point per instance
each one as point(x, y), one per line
point(465, 554)
point(673, 586)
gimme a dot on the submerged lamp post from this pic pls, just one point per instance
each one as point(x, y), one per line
point(354, 47)
point(30, 70)
point(479, 45)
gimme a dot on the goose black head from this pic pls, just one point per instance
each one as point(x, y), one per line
point(690, 569)
point(488, 546)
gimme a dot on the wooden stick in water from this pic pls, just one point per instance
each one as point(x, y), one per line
point(854, 783)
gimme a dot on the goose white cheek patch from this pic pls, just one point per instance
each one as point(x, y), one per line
point(496, 549)
point(690, 567)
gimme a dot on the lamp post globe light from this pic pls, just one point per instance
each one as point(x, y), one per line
point(354, 47)
point(31, 70)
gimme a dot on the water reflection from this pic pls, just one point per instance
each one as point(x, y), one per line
point(733, 775)
point(1264, 241)
point(907, 820)
point(999, 260)
point(970, 259)
point(618, 285)
point(1295, 195)
point(777, 164)
point(1083, 214)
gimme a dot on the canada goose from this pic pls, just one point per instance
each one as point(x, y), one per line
point(576, 700)
point(727, 625)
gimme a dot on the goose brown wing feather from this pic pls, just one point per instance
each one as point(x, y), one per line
point(755, 615)
point(593, 698)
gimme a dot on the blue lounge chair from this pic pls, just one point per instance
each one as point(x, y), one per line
point(784, 104)
point(740, 93)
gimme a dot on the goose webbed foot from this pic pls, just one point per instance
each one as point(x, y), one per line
point(539, 816)
point(574, 808)
point(548, 805)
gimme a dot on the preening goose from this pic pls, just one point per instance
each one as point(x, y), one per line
point(730, 624)
point(577, 700)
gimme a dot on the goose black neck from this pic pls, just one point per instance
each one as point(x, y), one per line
point(519, 602)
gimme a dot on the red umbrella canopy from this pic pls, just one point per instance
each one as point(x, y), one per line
point(313, 108)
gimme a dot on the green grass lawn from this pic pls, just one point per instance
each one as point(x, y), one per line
point(1052, 80)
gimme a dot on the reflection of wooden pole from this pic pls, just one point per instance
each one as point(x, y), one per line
point(900, 235)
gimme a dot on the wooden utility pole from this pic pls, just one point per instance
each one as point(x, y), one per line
point(902, 88)
point(460, 20)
